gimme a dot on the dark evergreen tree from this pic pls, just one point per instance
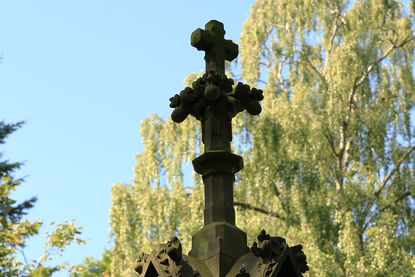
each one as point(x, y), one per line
point(9, 210)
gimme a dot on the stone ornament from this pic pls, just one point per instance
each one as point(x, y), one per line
point(272, 250)
point(208, 93)
point(167, 260)
point(213, 99)
point(220, 248)
point(211, 88)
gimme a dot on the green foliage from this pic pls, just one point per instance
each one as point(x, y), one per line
point(330, 161)
point(9, 211)
point(94, 268)
point(14, 231)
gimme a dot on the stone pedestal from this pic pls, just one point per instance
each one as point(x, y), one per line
point(219, 245)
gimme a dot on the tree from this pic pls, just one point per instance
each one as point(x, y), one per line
point(330, 161)
point(14, 231)
point(94, 268)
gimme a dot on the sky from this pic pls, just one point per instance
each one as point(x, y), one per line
point(83, 75)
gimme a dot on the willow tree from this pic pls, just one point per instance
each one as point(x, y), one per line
point(330, 161)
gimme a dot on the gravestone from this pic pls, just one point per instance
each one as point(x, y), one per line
point(220, 248)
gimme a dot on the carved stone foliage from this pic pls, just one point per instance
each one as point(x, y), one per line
point(242, 273)
point(271, 250)
point(167, 260)
point(169, 256)
point(211, 89)
point(141, 261)
point(300, 257)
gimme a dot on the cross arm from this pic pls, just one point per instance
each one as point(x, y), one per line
point(201, 39)
point(231, 50)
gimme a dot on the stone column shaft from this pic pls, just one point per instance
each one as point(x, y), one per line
point(219, 198)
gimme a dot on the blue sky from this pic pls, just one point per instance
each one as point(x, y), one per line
point(83, 74)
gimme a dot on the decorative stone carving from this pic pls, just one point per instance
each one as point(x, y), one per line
point(214, 101)
point(169, 256)
point(300, 257)
point(217, 49)
point(271, 250)
point(209, 89)
point(219, 249)
point(242, 273)
point(167, 260)
point(141, 261)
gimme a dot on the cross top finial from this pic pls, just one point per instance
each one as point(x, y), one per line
point(217, 48)
point(213, 99)
point(215, 27)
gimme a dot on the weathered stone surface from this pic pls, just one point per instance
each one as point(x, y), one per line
point(214, 101)
point(167, 260)
point(271, 248)
point(219, 238)
point(271, 256)
point(217, 49)
point(217, 169)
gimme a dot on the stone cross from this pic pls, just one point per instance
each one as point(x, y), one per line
point(216, 47)
point(214, 100)
point(220, 248)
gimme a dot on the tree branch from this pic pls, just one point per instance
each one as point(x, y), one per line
point(267, 56)
point(247, 206)
point(323, 79)
point(392, 172)
point(384, 182)
point(357, 83)
point(404, 195)
point(347, 150)
point(330, 140)
point(401, 197)
point(24, 256)
point(279, 72)
point(385, 55)
point(334, 30)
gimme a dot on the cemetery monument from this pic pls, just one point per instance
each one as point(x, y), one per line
point(220, 248)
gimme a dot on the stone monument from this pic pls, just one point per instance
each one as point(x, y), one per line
point(220, 248)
